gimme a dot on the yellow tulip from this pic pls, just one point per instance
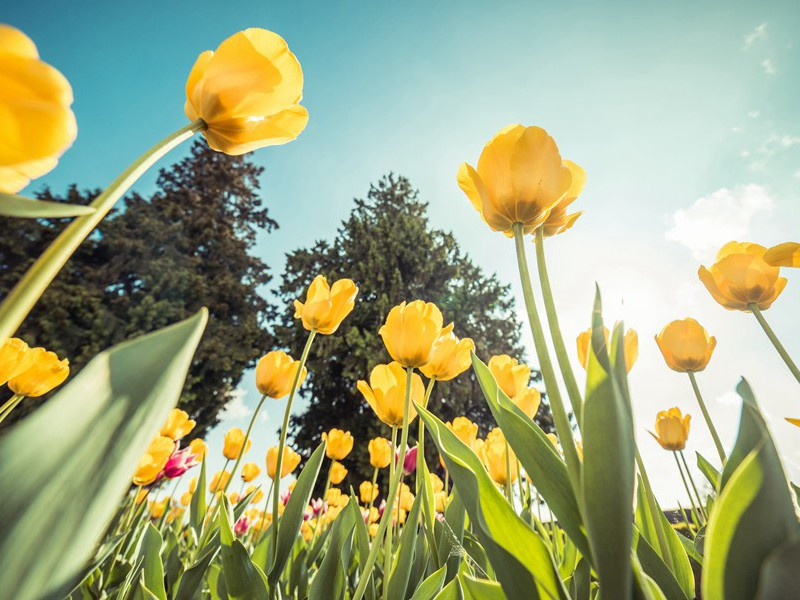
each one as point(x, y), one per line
point(141, 494)
point(250, 471)
point(386, 393)
point(520, 178)
point(186, 498)
point(289, 463)
point(233, 497)
point(436, 483)
point(219, 481)
point(528, 401)
point(740, 277)
point(795, 422)
point(15, 358)
point(193, 485)
point(45, 372)
point(374, 515)
point(449, 357)
point(338, 472)
point(247, 92)
point(672, 429)
point(630, 344)
point(558, 221)
point(405, 499)
point(465, 430)
point(157, 509)
point(199, 448)
point(275, 373)
point(178, 424)
point(258, 495)
point(367, 492)
point(339, 444)
point(334, 496)
point(36, 122)
point(783, 255)
point(410, 331)
point(326, 306)
point(686, 345)
point(439, 501)
point(511, 376)
point(233, 442)
point(380, 452)
point(153, 460)
point(553, 440)
point(493, 455)
point(373, 530)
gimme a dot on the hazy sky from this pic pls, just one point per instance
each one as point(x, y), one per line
point(683, 114)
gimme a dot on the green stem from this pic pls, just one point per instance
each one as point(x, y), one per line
point(775, 342)
point(707, 417)
point(421, 431)
point(695, 512)
point(19, 302)
point(555, 331)
point(563, 428)
point(655, 511)
point(10, 405)
point(372, 490)
point(386, 518)
point(687, 521)
point(387, 542)
point(694, 487)
point(324, 499)
point(509, 485)
point(163, 519)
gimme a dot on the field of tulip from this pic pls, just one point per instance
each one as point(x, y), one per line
point(89, 505)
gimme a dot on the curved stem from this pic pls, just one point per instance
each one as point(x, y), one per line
point(707, 417)
point(29, 289)
point(694, 487)
point(10, 405)
point(695, 512)
point(387, 542)
point(555, 331)
point(775, 341)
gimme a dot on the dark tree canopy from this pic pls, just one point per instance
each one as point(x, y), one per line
point(154, 262)
point(389, 249)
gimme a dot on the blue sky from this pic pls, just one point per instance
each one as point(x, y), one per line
point(683, 114)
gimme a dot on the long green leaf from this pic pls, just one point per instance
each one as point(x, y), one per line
point(708, 470)
point(197, 507)
point(243, 579)
point(330, 581)
point(779, 578)
point(401, 567)
point(152, 567)
point(480, 589)
point(20, 206)
point(430, 586)
point(57, 501)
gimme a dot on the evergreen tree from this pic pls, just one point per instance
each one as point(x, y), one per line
point(154, 262)
point(389, 249)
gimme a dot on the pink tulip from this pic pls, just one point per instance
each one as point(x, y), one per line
point(180, 462)
point(241, 527)
point(410, 461)
point(319, 506)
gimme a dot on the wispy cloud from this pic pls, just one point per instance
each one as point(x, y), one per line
point(236, 409)
point(770, 147)
point(768, 66)
point(718, 218)
point(759, 33)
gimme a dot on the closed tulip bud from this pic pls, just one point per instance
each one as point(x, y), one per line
point(380, 452)
point(241, 527)
point(386, 393)
point(275, 373)
point(410, 461)
point(439, 501)
point(520, 178)
point(198, 448)
point(333, 497)
point(44, 373)
point(449, 356)
point(326, 306)
point(247, 92)
point(783, 255)
point(373, 530)
point(493, 454)
point(686, 345)
point(338, 472)
point(219, 481)
point(740, 277)
point(511, 376)
point(37, 124)
point(186, 498)
point(410, 331)
point(178, 424)
point(339, 444)
point(405, 499)
point(630, 343)
point(672, 429)
point(153, 461)
point(367, 492)
point(558, 221)
point(250, 471)
point(233, 442)
point(288, 464)
point(234, 498)
point(436, 482)
point(528, 401)
point(15, 357)
point(465, 430)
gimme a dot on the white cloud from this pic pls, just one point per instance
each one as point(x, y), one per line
point(236, 409)
point(729, 399)
point(713, 220)
point(759, 33)
point(768, 66)
point(772, 146)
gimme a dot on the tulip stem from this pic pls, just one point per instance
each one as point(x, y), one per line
point(694, 487)
point(10, 405)
point(279, 459)
point(372, 490)
point(658, 524)
point(707, 417)
point(387, 542)
point(387, 511)
point(509, 484)
point(555, 331)
point(697, 514)
point(563, 427)
point(687, 521)
point(775, 341)
point(421, 431)
point(20, 300)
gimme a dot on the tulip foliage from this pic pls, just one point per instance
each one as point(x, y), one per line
point(89, 482)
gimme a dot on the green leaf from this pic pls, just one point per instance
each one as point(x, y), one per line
point(12, 205)
point(452, 591)
point(480, 589)
point(779, 573)
point(191, 582)
point(361, 534)
point(152, 567)
point(330, 581)
point(243, 579)
point(430, 586)
point(646, 587)
point(197, 507)
point(655, 567)
point(608, 467)
point(547, 470)
point(521, 560)
point(57, 503)
point(401, 567)
point(450, 543)
point(708, 470)
point(292, 519)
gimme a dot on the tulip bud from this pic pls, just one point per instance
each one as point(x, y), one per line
point(326, 306)
point(233, 442)
point(410, 331)
point(178, 424)
point(380, 452)
point(15, 357)
point(44, 373)
point(449, 356)
point(180, 462)
point(410, 461)
point(672, 429)
point(250, 471)
point(275, 374)
point(153, 461)
point(288, 464)
point(387, 390)
point(686, 345)
point(338, 472)
point(511, 376)
point(338, 443)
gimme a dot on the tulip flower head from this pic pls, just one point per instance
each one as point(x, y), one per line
point(740, 277)
point(275, 373)
point(179, 462)
point(250, 471)
point(493, 455)
point(380, 452)
point(233, 442)
point(44, 373)
point(186, 498)
point(158, 508)
point(783, 255)
point(241, 527)
point(178, 424)
point(367, 492)
point(338, 472)
point(410, 461)
point(436, 483)
point(326, 306)
point(386, 393)
point(247, 92)
point(199, 448)
point(318, 506)
point(511, 376)
point(630, 344)
point(465, 430)
point(338, 444)
point(219, 481)
point(258, 495)
point(672, 429)
point(15, 358)
point(153, 461)
point(37, 123)
point(449, 356)
point(410, 331)
point(686, 345)
point(520, 179)
point(528, 401)
point(558, 221)
point(289, 463)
